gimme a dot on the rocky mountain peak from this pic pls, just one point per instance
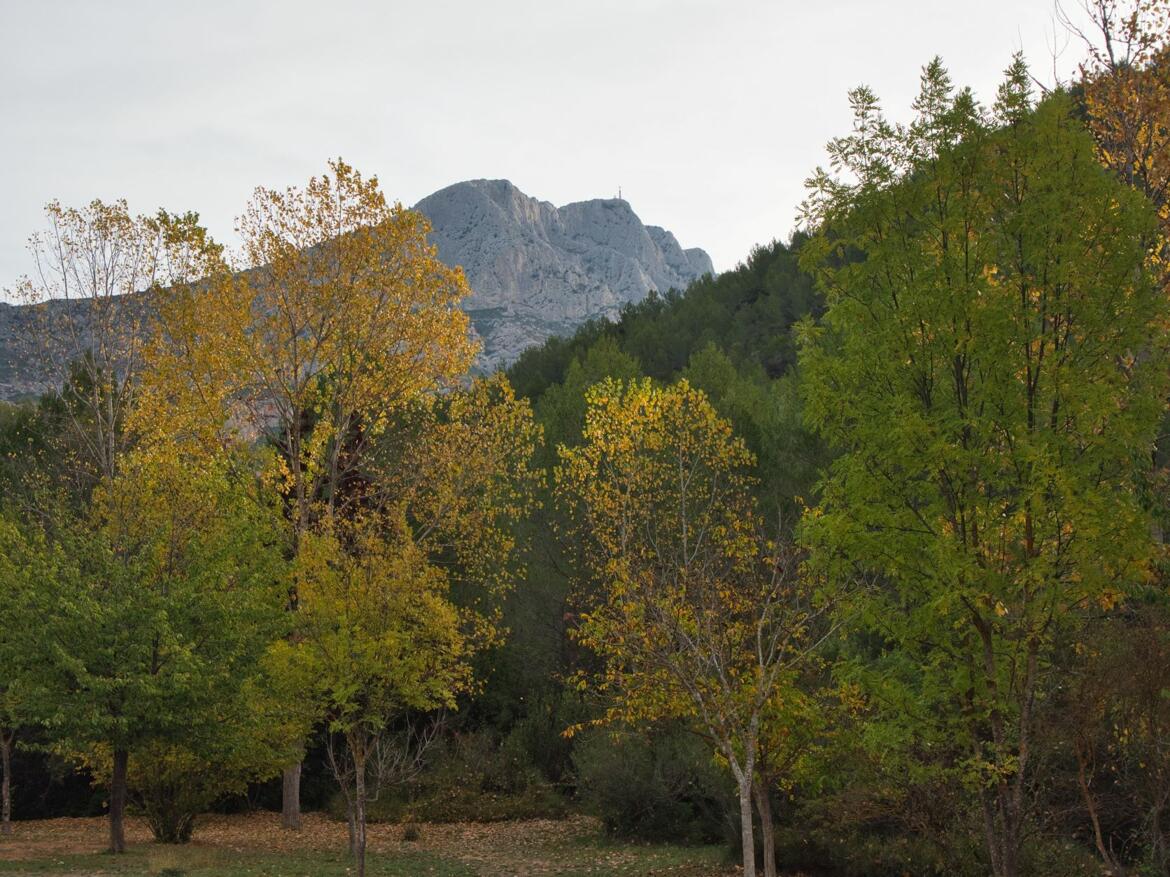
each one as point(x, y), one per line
point(537, 270)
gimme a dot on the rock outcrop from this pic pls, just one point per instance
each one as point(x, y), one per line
point(537, 270)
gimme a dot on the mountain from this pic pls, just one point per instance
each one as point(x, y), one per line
point(535, 270)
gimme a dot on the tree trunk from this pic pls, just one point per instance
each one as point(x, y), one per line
point(290, 805)
point(118, 801)
point(1011, 848)
point(359, 804)
point(351, 824)
point(1002, 828)
point(6, 782)
point(767, 827)
point(1112, 867)
point(747, 836)
point(989, 833)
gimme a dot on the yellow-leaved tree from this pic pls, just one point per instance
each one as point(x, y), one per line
point(339, 318)
point(692, 610)
point(396, 596)
point(1126, 82)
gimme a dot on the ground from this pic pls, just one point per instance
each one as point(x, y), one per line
point(254, 845)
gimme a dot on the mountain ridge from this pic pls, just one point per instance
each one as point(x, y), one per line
point(535, 270)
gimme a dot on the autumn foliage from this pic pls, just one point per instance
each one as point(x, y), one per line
point(862, 542)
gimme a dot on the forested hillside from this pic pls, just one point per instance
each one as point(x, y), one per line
point(732, 336)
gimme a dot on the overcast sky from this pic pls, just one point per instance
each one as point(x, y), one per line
point(708, 114)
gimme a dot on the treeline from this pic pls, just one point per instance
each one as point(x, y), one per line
point(978, 317)
point(851, 556)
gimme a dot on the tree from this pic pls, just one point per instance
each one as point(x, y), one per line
point(988, 370)
point(381, 639)
point(695, 615)
point(1126, 83)
point(158, 611)
point(95, 269)
point(343, 317)
point(395, 598)
point(767, 414)
point(23, 564)
point(24, 463)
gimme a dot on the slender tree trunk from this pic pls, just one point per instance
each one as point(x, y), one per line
point(767, 827)
point(989, 834)
point(6, 781)
point(290, 793)
point(1113, 868)
point(1003, 804)
point(1011, 846)
point(118, 801)
point(359, 803)
point(747, 836)
point(351, 824)
point(290, 803)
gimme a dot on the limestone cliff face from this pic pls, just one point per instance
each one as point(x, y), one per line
point(535, 270)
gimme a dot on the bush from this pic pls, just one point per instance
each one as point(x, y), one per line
point(472, 777)
point(660, 787)
point(538, 737)
point(173, 784)
point(172, 787)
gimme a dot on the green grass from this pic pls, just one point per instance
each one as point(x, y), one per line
point(202, 862)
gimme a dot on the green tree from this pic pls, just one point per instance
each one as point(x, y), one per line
point(767, 413)
point(24, 564)
point(161, 603)
point(988, 368)
point(562, 406)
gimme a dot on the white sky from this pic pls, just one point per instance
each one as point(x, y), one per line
point(708, 113)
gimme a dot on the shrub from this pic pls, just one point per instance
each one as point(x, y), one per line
point(471, 776)
point(657, 787)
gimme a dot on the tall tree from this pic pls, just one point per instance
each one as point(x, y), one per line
point(988, 370)
point(342, 317)
point(23, 565)
point(396, 597)
point(694, 613)
point(93, 265)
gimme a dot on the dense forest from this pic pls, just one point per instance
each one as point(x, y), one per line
point(851, 558)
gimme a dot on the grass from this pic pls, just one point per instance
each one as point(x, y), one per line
point(254, 846)
point(202, 862)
